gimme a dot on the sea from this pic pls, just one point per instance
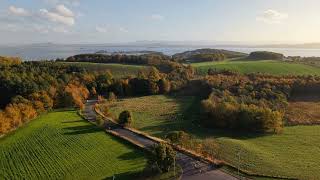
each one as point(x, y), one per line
point(53, 51)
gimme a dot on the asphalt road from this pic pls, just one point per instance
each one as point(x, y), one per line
point(193, 169)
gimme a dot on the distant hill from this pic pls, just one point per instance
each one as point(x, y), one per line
point(189, 54)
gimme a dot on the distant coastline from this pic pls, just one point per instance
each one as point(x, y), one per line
point(48, 51)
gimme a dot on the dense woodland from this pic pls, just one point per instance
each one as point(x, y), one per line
point(253, 102)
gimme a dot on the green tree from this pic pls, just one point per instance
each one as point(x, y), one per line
point(162, 158)
point(125, 118)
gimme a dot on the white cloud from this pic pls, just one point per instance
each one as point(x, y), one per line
point(61, 15)
point(101, 29)
point(272, 17)
point(18, 11)
point(64, 11)
point(60, 30)
point(157, 17)
point(124, 30)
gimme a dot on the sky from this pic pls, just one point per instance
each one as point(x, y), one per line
point(119, 21)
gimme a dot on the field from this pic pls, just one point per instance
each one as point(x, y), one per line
point(61, 145)
point(294, 153)
point(265, 66)
point(117, 70)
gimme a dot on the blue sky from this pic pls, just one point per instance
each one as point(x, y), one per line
point(110, 21)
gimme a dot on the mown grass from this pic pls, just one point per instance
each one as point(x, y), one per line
point(61, 145)
point(295, 153)
point(264, 66)
point(117, 70)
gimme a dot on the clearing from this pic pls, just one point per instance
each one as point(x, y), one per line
point(117, 70)
point(61, 145)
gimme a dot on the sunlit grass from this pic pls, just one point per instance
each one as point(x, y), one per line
point(265, 66)
point(61, 145)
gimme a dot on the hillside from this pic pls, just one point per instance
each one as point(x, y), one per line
point(264, 66)
point(61, 145)
point(188, 54)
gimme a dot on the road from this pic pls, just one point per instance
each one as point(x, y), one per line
point(193, 169)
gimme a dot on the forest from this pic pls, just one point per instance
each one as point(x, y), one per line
point(251, 102)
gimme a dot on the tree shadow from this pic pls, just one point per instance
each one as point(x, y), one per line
point(124, 176)
point(189, 115)
point(86, 129)
point(129, 156)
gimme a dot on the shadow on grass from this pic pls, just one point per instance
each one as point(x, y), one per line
point(86, 129)
point(130, 156)
point(125, 176)
point(188, 120)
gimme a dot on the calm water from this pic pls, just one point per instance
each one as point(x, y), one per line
point(39, 52)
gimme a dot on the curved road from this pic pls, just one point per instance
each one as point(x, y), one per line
point(192, 169)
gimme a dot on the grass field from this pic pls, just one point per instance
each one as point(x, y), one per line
point(266, 66)
point(61, 145)
point(117, 70)
point(294, 153)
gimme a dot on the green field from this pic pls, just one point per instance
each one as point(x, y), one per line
point(265, 66)
point(61, 145)
point(294, 153)
point(117, 70)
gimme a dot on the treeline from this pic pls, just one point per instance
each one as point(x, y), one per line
point(265, 55)
point(31, 88)
point(252, 103)
point(207, 57)
point(189, 55)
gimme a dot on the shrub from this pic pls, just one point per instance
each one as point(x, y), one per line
point(162, 157)
point(177, 136)
point(125, 118)
point(112, 97)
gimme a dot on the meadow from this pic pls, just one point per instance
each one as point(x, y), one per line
point(117, 70)
point(262, 66)
point(61, 145)
point(294, 153)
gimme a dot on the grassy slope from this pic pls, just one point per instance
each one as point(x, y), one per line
point(117, 70)
point(60, 145)
point(266, 66)
point(293, 153)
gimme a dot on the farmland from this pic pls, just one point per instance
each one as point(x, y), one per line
point(293, 153)
point(117, 70)
point(61, 145)
point(263, 66)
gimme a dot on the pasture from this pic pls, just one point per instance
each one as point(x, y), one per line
point(61, 145)
point(264, 66)
point(295, 153)
point(117, 70)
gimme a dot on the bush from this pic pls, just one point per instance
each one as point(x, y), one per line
point(112, 97)
point(177, 136)
point(162, 157)
point(125, 118)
